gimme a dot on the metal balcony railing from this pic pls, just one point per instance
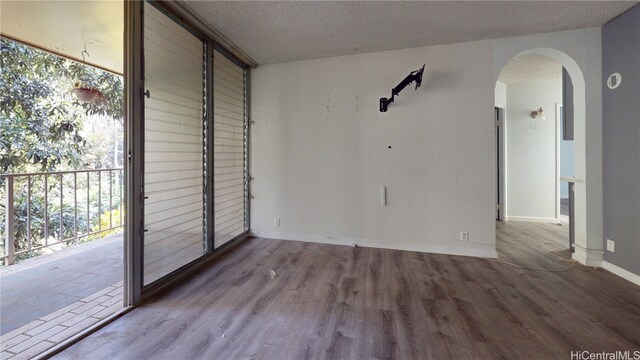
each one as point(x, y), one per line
point(52, 208)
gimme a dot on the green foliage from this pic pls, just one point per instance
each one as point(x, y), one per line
point(41, 122)
point(40, 117)
point(37, 223)
point(109, 219)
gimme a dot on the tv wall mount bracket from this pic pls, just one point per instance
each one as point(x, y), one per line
point(413, 76)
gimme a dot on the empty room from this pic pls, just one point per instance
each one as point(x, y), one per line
point(320, 179)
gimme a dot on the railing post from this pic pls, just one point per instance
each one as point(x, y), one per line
point(61, 233)
point(46, 210)
point(29, 243)
point(9, 240)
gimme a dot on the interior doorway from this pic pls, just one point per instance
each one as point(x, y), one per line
point(533, 161)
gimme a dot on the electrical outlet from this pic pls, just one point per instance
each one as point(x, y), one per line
point(611, 245)
point(276, 222)
point(464, 236)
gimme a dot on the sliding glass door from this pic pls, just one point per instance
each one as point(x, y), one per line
point(174, 104)
point(229, 149)
point(187, 183)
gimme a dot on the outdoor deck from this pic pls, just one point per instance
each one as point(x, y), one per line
point(49, 298)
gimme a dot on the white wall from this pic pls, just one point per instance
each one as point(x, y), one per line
point(500, 94)
point(320, 150)
point(319, 145)
point(531, 149)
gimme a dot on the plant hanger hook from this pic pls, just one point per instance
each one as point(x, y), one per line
point(85, 52)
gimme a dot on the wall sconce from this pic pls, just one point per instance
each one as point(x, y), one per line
point(538, 114)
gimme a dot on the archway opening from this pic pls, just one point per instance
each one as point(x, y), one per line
point(531, 184)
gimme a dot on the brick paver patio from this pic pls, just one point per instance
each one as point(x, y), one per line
point(47, 299)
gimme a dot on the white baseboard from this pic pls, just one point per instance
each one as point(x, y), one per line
point(587, 257)
point(469, 249)
point(625, 274)
point(533, 219)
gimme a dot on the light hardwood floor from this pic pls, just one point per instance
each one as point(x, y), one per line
point(328, 301)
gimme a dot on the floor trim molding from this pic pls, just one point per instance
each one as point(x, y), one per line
point(588, 257)
point(471, 249)
point(533, 219)
point(625, 274)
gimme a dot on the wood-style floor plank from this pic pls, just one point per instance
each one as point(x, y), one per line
point(270, 299)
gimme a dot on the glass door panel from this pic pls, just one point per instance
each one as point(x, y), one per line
point(174, 146)
point(229, 150)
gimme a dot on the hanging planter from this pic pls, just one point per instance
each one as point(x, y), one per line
point(85, 93)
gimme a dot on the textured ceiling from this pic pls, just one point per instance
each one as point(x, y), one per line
point(273, 32)
point(530, 68)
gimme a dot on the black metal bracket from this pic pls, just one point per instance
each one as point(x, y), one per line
point(413, 76)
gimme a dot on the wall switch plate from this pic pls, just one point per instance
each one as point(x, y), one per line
point(276, 222)
point(464, 236)
point(611, 245)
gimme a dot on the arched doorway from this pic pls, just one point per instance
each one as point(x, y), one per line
point(582, 244)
